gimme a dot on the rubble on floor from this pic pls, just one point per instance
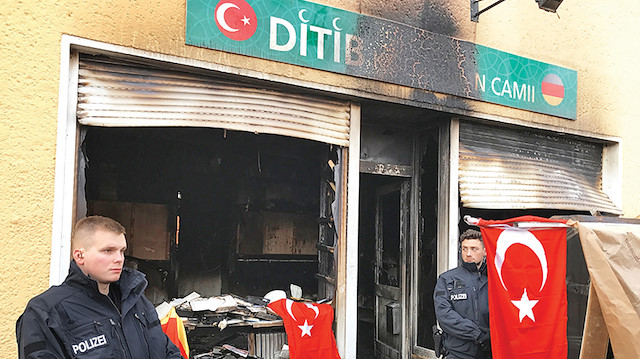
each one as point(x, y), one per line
point(231, 352)
point(229, 326)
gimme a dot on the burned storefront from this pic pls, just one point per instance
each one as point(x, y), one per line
point(234, 181)
point(231, 187)
point(223, 187)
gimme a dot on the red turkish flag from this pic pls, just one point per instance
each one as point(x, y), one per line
point(527, 291)
point(308, 327)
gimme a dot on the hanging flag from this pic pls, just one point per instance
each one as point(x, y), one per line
point(173, 327)
point(527, 290)
point(308, 327)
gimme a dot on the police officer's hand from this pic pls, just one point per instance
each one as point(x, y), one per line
point(484, 341)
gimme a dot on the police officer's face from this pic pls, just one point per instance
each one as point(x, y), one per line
point(473, 251)
point(103, 260)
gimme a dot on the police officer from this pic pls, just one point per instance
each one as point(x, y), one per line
point(100, 310)
point(462, 302)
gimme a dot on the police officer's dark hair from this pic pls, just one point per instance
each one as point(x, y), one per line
point(471, 234)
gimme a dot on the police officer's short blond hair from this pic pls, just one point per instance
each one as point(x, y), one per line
point(86, 227)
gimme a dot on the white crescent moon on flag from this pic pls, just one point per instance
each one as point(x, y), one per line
point(315, 309)
point(511, 236)
point(220, 13)
point(289, 305)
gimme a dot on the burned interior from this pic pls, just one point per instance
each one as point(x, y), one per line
point(215, 211)
point(242, 210)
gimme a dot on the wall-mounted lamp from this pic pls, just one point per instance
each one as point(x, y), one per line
point(547, 5)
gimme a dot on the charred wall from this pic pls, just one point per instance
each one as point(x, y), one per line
point(247, 204)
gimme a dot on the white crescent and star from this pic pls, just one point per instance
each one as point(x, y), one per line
point(506, 239)
point(306, 327)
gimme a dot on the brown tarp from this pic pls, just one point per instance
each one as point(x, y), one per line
point(612, 253)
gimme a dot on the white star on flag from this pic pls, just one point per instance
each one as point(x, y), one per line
point(306, 329)
point(526, 306)
point(245, 20)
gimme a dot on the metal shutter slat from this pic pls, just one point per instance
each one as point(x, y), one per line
point(502, 168)
point(113, 93)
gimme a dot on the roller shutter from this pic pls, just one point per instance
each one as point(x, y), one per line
point(126, 94)
point(504, 168)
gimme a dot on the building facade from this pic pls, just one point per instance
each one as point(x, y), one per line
point(336, 145)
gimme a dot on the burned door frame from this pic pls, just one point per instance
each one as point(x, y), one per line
point(392, 314)
point(405, 172)
point(446, 232)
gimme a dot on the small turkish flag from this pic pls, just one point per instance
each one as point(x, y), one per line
point(308, 327)
point(527, 290)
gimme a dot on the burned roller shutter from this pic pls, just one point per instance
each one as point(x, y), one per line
point(116, 93)
point(506, 168)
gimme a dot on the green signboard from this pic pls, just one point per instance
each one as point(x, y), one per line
point(523, 83)
point(321, 37)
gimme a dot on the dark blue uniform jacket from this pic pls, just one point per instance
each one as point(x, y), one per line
point(461, 300)
point(74, 320)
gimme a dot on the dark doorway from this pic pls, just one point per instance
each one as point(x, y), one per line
point(427, 270)
point(383, 214)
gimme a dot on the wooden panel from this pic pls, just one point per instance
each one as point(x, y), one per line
point(289, 233)
point(149, 239)
point(146, 226)
point(278, 233)
point(249, 234)
point(119, 211)
point(385, 334)
point(384, 351)
point(388, 292)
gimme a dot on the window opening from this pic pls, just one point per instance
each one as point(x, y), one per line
point(255, 211)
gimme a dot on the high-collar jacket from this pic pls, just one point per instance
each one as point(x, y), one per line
point(461, 300)
point(75, 320)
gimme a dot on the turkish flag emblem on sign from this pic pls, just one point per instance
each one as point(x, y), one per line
point(527, 289)
point(308, 327)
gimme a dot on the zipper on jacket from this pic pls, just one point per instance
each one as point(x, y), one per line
point(114, 305)
point(144, 331)
point(475, 304)
point(117, 329)
point(476, 290)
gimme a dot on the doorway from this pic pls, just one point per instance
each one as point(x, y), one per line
point(384, 228)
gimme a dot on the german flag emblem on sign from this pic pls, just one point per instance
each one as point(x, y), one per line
point(552, 89)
